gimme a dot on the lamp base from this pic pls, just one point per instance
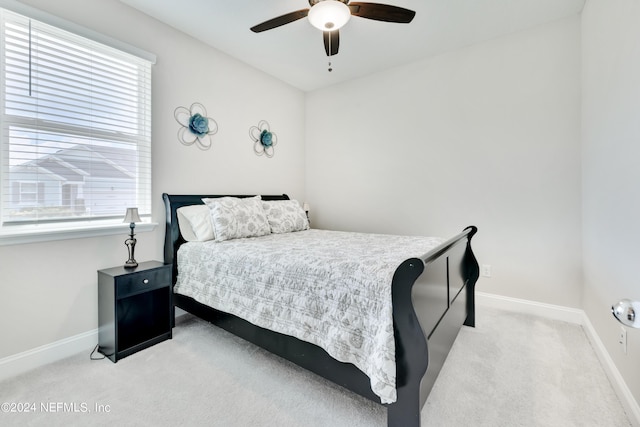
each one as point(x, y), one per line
point(131, 264)
point(131, 246)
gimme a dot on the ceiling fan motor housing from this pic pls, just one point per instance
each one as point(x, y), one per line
point(313, 2)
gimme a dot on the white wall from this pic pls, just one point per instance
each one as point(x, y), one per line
point(488, 135)
point(611, 176)
point(49, 289)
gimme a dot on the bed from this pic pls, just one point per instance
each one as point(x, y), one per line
point(431, 296)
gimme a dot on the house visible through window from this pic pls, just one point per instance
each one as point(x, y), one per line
point(75, 141)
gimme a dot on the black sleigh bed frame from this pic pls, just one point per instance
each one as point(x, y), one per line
point(433, 296)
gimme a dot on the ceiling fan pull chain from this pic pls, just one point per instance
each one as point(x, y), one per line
point(330, 69)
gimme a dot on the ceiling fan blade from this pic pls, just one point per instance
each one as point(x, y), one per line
point(382, 12)
point(331, 42)
point(280, 20)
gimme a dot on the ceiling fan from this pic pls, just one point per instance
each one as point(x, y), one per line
point(330, 15)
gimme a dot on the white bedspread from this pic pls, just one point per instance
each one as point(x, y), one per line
point(330, 288)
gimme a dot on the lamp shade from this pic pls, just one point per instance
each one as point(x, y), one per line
point(132, 215)
point(329, 15)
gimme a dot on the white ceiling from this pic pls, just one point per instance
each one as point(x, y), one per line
point(295, 52)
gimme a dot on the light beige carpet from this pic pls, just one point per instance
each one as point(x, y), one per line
point(512, 370)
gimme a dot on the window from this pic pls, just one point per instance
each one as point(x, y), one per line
point(28, 193)
point(75, 123)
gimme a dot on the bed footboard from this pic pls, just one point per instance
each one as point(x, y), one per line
point(433, 296)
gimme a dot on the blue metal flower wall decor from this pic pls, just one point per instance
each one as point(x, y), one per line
point(196, 127)
point(263, 139)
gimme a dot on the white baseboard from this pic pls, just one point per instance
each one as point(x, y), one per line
point(31, 359)
point(548, 311)
point(579, 317)
point(615, 377)
point(27, 360)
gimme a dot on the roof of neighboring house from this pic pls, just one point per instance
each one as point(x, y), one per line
point(76, 163)
point(64, 171)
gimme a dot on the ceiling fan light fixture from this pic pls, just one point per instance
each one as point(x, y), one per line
point(329, 15)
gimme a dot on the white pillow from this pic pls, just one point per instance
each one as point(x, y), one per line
point(195, 223)
point(285, 216)
point(234, 218)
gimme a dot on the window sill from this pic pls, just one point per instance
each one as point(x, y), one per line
point(17, 235)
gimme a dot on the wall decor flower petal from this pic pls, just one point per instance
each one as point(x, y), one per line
point(263, 139)
point(196, 127)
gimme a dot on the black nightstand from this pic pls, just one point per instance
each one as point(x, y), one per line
point(134, 308)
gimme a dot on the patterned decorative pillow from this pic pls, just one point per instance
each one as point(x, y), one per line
point(234, 218)
point(285, 216)
point(195, 223)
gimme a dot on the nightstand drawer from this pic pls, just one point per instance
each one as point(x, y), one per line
point(143, 281)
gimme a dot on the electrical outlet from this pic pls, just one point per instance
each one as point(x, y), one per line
point(622, 339)
point(486, 270)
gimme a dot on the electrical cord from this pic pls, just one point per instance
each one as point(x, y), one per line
point(93, 352)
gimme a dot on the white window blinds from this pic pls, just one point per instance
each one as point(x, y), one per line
point(76, 126)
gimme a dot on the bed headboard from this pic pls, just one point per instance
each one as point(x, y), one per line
point(172, 238)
